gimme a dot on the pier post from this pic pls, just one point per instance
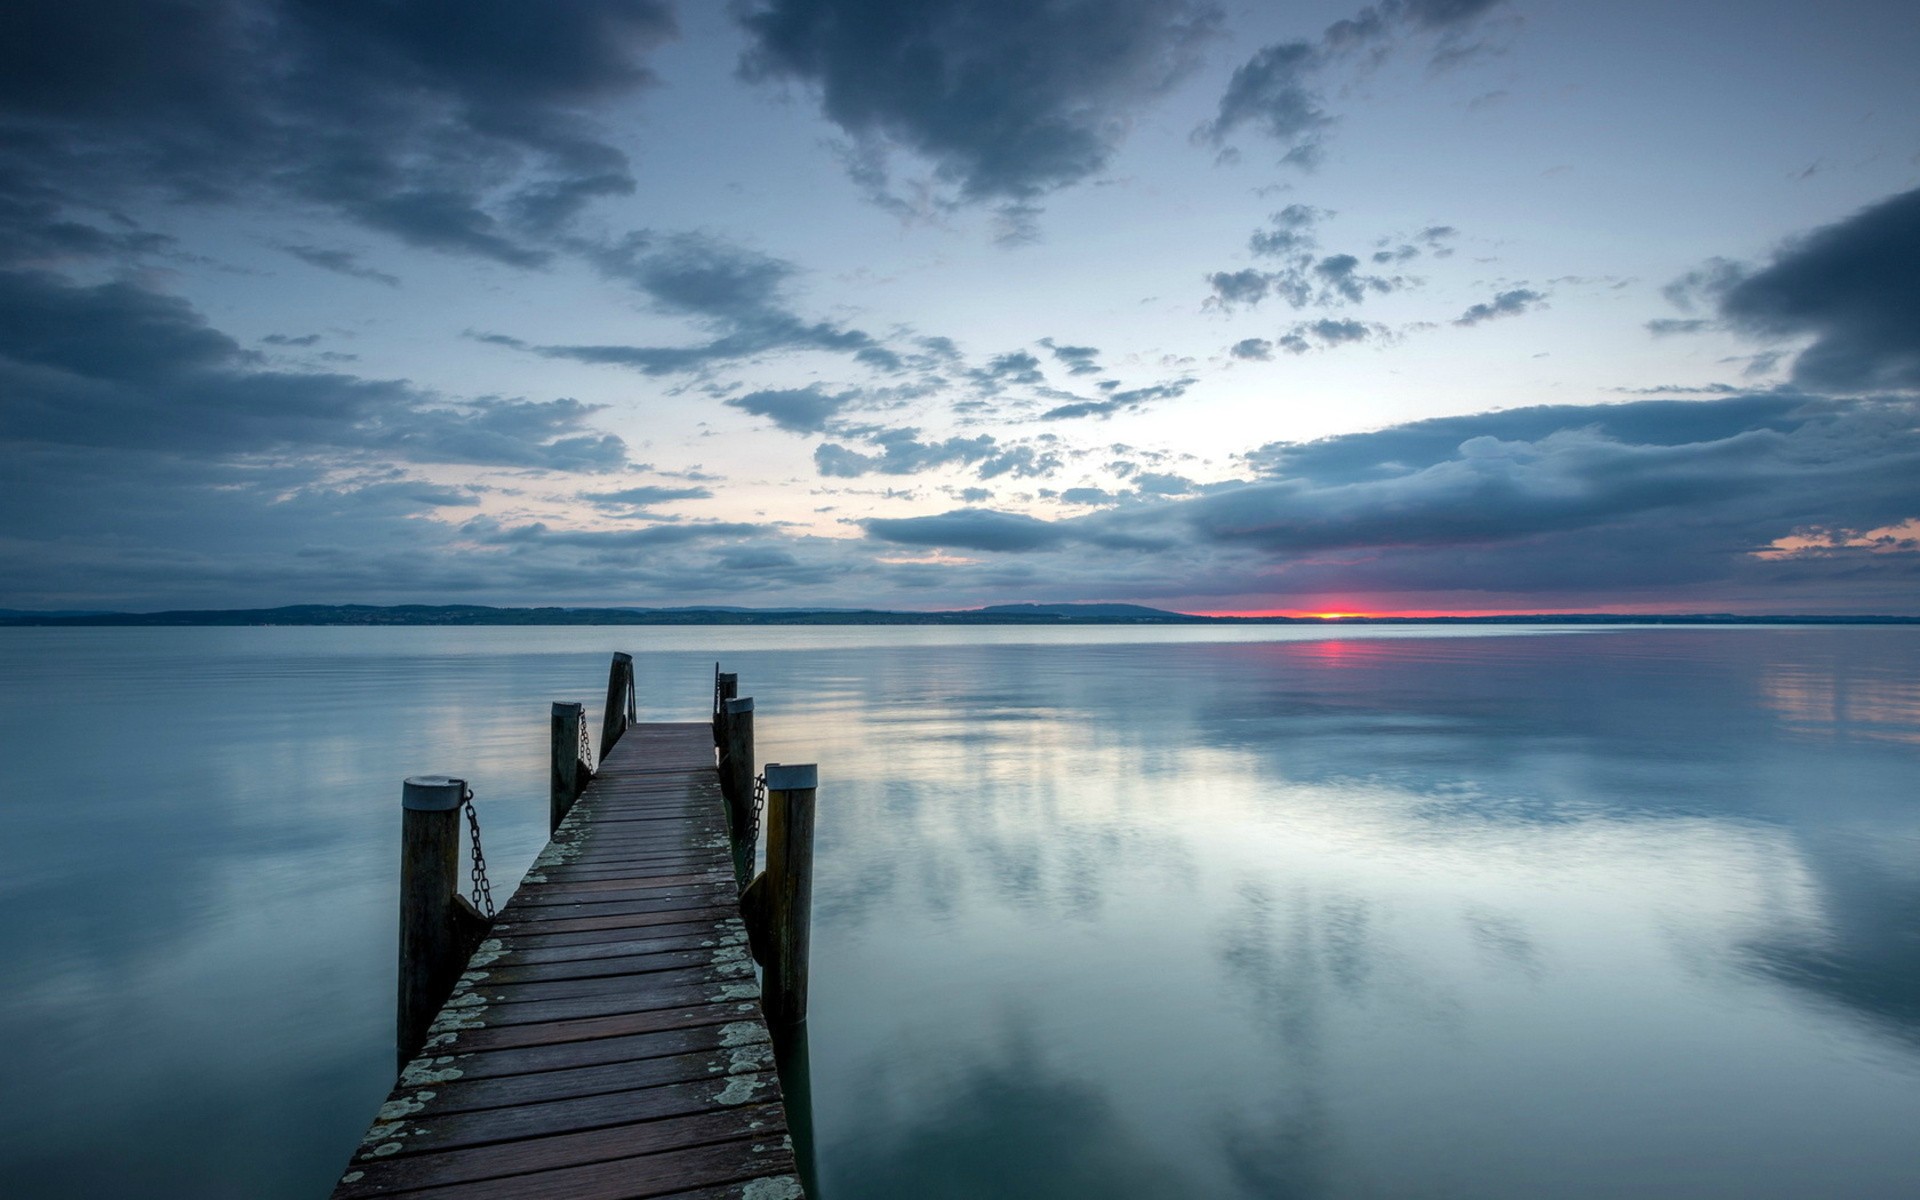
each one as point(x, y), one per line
point(569, 774)
point(621, 710)
point(726, 686)
point(736, 782)
point(789, 888)
point(430, 956)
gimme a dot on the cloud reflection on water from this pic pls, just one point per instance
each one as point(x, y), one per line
point(1414, 866)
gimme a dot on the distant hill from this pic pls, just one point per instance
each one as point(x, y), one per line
point(997, 614)
point(1082, 612)
point(10, 614)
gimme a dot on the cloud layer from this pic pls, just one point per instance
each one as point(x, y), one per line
point(1664, 498)
point(1006, 100)
point(453, 125)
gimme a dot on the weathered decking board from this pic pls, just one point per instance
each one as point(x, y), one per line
point(606, 1042)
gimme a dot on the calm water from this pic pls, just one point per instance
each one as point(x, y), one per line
point(1099, 913)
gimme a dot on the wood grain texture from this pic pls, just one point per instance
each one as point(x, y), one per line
point(607, 1039)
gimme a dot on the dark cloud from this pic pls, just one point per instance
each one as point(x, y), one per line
point(1677, 326)
point(1275, 92)
point(1160, 483)
point(1342, 276)
point(1854, 287)
point(1330, 281)
point(1509, 303)
point(1248, 287)
point(1704, 285)
point(1280, 90)
point(119, 365)
point(1431, 240)
point(797, 410)
point(968, 529)
point(1021, 462)
point(340, 262)
point(899, 452)
point(644, 538)
point(1082, 408)
point(1086, 495)
point(1007, 100)
point(450, 124)
point(1418, 445)
point(1128, 400)
point(1254, 349)
point(696, 274)
point(1079, 360)
point(737, 293)
point(645, 496)
point(1327, 333)
point(738, 345)
point(902, 452)
point(1291, 232)
point(1013, 369)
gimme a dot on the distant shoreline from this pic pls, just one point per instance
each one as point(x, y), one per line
point(1011, 614)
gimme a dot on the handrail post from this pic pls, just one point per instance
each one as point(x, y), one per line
point(430, 958)
point(736, 782)
point(789, 888)
point(620, 710)
point(569, 775)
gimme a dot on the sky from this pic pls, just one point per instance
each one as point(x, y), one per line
point(1420, 306)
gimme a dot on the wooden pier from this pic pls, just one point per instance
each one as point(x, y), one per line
point(607, 1038)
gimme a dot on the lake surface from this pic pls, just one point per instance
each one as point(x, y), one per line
point(1100, 912)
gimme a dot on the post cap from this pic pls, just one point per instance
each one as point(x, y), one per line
point(622, 656)
point(793, 777)
point(735, 707)
point(727, 676)
point(564, 708)
point(432, 793)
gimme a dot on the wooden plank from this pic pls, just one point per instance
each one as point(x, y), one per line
point(566, 1149)
point(607, 1039)
point(634, 1178)
point(417, 1133)
point(497, 1037)
point(488, 1064)
point(567, 1083)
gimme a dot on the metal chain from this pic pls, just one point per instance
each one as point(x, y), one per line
point(482, 889)
point(759, 802)
point(586, 746)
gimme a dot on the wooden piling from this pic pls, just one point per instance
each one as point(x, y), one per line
point(789, 888)
point(430, 945)
point(726, 686)
point(736, 782)
point(622, 708)
point(569, 775)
